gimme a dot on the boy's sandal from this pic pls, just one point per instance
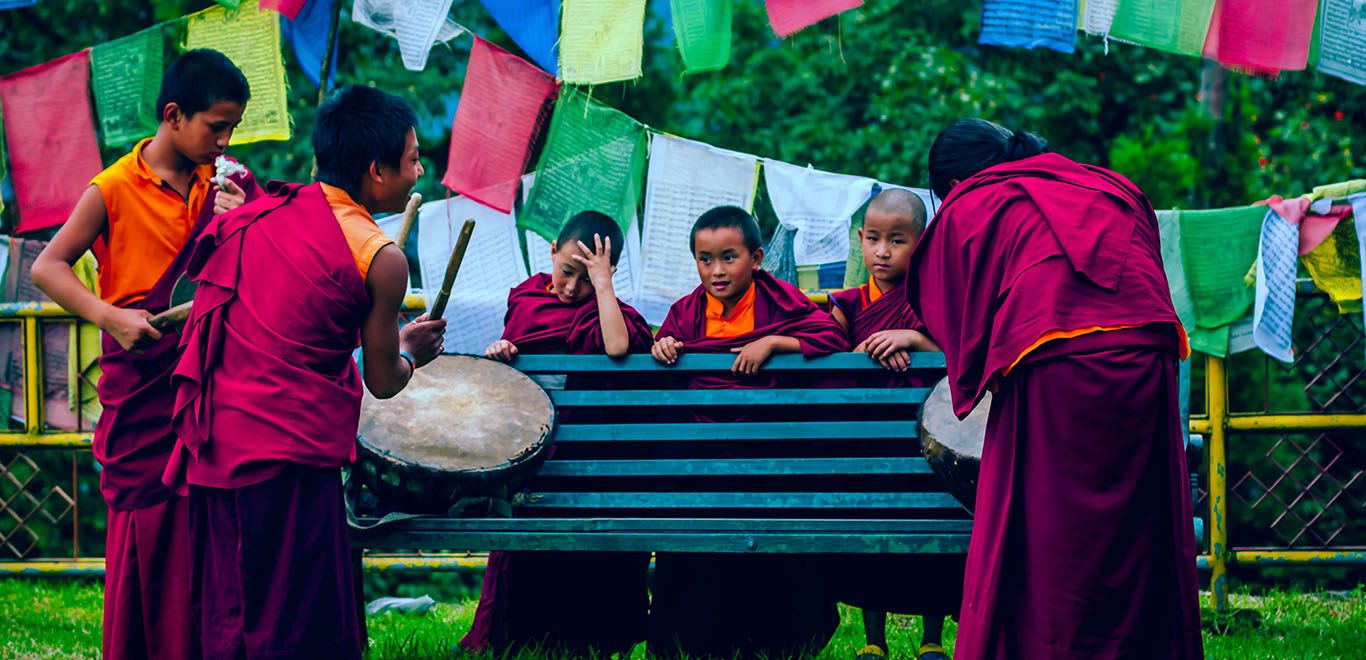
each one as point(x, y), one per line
point(932, 652)
point(871, 652)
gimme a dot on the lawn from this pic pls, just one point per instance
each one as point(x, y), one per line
point(61, 619)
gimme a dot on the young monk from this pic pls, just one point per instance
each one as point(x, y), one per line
point(268, 396)
point(576, 604)
point(138, 216)
point(720, 606)
point(1042, 280)
point(880, 322)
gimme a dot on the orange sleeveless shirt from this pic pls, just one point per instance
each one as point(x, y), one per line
point(363, 236)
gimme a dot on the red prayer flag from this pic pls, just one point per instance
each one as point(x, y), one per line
point(53, 152)
point(789, 16)
point(501, 107)
point(289, 8)
point(1261, 36)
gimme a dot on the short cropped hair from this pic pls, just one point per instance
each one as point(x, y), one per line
point(722, 217)
point(357, 126)
point(198, 79)
point(585, 224)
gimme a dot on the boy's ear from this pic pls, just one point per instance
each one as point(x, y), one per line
point(554, 247)
point(758, 258)
point(172, 115)
point(375, 174)
point(860, 234)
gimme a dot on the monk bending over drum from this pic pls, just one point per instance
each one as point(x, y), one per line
point(879, 322)
point(723, 606)
point(579, 604)
point(1042, 280)
point(268, 396)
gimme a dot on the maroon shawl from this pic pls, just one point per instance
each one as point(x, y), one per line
point(779, 309)
point(133, 438)
point(267, 377)
point(889, 312)
point(537, 322)
point(1030, 247)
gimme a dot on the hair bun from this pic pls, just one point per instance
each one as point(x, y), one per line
point(1023, 144)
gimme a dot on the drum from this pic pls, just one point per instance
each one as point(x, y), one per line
point(464, 427)
point(953, 448)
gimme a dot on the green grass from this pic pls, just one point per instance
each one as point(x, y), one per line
point(61, 619)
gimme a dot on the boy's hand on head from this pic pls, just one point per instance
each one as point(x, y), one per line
point(230, 196)
point(598, 259)
point(501, 350)
point(752, 356)
point(129, 327)
point(667, 350)
point(424, 339)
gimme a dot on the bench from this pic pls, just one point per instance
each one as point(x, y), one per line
point(812, 470)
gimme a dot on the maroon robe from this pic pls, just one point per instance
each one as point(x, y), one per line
point(147, 553)
point(930, 585)
point(721, 605)
point(267, 404)
point(572, 603)
point(1082, 543)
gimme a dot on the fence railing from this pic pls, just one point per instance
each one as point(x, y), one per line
point(1298, 473)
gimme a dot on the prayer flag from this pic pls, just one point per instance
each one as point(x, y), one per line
point(1218, 248)
point(593, 160)
point(501, 108)
point(1174, 26)
point(51, 138)
point(790, 16)
point(126, 76)
point(415, 24)
point(1030, 24)
point(251, 39)
point(1263, 36)
point(234, 5)
point(702, 31)
point(289, 8)
point(15, 4)
point(533, 24)
point(307, 33)
point(819, 205)
point(1342, 40)
point(601, 40)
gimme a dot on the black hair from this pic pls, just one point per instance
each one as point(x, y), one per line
point(357, 126)
point(198, 79)
point(728, 216)
point(969, 146)
point(585, 224)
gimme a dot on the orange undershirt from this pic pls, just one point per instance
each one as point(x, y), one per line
point(363, 236)
point(1184, 349)
point(147, 224)
point(871, 293)
point(740, 321)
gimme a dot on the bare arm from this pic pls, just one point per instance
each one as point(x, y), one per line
point(616, 339)
point(53, 274)
point(753, 355)
point(387, 372)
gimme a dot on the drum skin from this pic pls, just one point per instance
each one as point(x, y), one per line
point(953, 448)
point(464, 427)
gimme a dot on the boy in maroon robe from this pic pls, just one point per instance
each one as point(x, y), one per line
point(268, 395)
point(723, 605)
point(139, 216)
point(1042, 280)
point(574, 603)
point(880, 322)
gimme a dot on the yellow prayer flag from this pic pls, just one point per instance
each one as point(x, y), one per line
point(1335, 266)
point(250, 37)
point(601, 40)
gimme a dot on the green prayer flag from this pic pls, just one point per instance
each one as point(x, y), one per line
point(855, 272)
point(593, 160)
point(230, 4)
point(126, 76)
point(1209, 341)
point(1218, 248)
point(1175, 26)
point(702, 32)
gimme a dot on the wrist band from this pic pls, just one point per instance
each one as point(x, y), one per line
point(412, 364)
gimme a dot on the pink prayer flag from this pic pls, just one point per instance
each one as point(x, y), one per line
point(501, 107)
point(289, 8)
point(1261, 36)
point(790, 16)
point(53, 153)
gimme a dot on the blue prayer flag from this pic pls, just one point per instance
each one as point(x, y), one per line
point(533, 24)
point(1030, 24)
point(307, 33)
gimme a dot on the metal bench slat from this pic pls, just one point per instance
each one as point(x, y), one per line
point(895, 430)
point(751, 500)
point(733, 467)
point(715, 362)
point(774, 397)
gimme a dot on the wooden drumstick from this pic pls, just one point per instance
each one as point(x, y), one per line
point(409, 216)
point(171, 318)
point(452, 268)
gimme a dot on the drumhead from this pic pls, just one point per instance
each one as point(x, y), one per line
point(939, 423)
point(460, 414)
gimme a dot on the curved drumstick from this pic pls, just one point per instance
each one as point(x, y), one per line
point(171, 318)
point(409, 216)
point(452, 268)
